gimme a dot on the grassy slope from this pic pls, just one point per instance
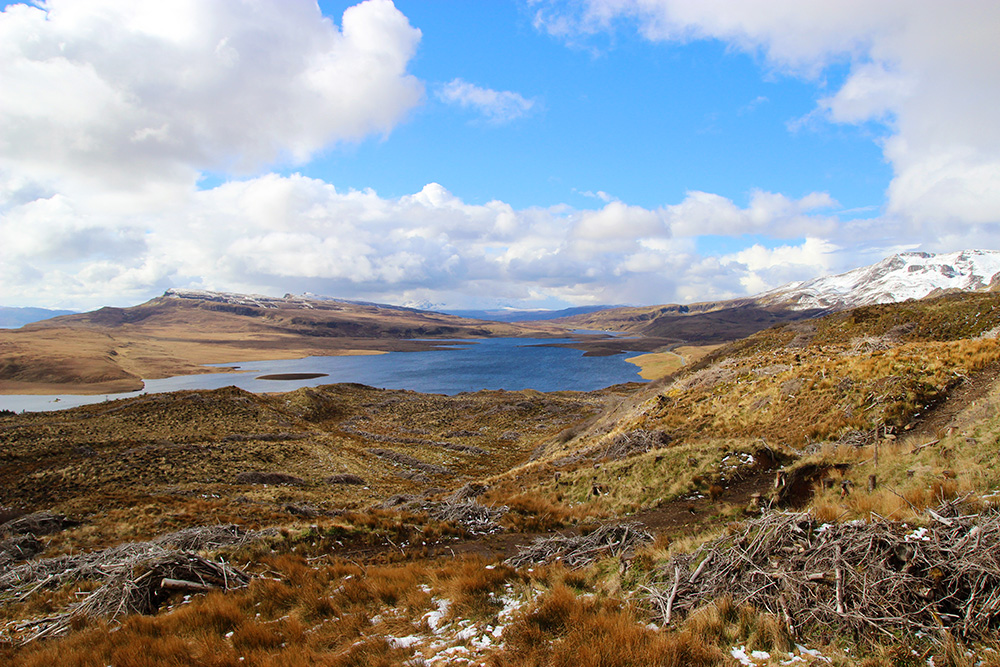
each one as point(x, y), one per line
point(112, 349)
point(917, 379)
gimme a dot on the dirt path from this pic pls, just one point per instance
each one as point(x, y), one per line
point(676, 518)
point(937, 419)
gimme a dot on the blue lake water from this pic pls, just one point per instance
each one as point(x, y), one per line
point(493, 363)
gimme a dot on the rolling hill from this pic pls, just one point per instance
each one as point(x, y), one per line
point(808, 494)
point(112, 349)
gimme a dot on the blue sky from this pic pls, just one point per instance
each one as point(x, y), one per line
point(642, 121)
point(530, 153)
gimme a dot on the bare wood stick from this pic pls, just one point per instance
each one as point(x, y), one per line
point(673, 594)
point(181, 585)
point(701, 566)
point(839, 576)
point(937, 517)
point(926, 444)
point(788, 617)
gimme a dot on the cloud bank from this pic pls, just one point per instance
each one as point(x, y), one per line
point(112, 111)
point(273, 234)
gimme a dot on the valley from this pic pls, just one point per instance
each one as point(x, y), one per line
point(383, 527)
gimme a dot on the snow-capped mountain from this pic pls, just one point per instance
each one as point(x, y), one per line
point(908, 275)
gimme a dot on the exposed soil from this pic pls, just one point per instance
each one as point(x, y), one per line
point(933, 423)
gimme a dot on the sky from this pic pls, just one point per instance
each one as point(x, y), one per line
point(511, 153)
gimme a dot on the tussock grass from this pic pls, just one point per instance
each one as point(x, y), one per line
point(565, 630)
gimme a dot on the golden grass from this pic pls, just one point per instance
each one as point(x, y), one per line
point(566, 630)
point(656, 365)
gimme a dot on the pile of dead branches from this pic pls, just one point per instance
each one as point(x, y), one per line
point(468, 491)
point(398, 458)
point(139, 585)
point(17, 548)
point(136, 577)
point(475, 518)
point(861, 577)
point(36, 523)
point(580, 550)
point(858, 438)
point(470, 515)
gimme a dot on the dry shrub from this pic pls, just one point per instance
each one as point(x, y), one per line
point(273, 598)
point(533, 512)
point(345, 478)
point(260, 477)
point(371, 653)
point(723, 623)
point(257, 636)
point(139, 642)
point(470, 584)
point(567, 631)
point(215, 613)
point(384, 586)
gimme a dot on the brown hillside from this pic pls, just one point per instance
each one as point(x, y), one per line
point(698, 324)
point(112, 349)
point(765, 505)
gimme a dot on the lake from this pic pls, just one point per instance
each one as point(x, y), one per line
point(492, 363)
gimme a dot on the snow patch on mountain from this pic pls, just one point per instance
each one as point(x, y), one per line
point(908, 275)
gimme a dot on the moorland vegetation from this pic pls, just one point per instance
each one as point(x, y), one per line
point(819, 492)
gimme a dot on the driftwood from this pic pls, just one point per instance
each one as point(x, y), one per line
point(859, 577)
point(580, 550)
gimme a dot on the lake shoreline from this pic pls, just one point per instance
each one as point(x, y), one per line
point(449, 367)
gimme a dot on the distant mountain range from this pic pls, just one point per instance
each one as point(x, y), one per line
point(912, 275)
point(12, 318)
point(111, 349)
point(908, 275)
point(309, 300)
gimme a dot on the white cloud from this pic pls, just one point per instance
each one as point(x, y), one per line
point(111, 108)
point(275, 234)
point(775, 214)
point(766, 268)
point(496, 106)
point(117, 94)
point(927, 69)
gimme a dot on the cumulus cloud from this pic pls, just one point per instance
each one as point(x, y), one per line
point(495, 106)
point(926, 69)
point(111, 110)
point(762, 268)
point(274, 234)
point(143, 95)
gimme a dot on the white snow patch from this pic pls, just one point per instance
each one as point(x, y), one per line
point(404, 642)
point(435, 617)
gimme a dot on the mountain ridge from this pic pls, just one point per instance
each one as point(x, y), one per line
point(907, 275)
